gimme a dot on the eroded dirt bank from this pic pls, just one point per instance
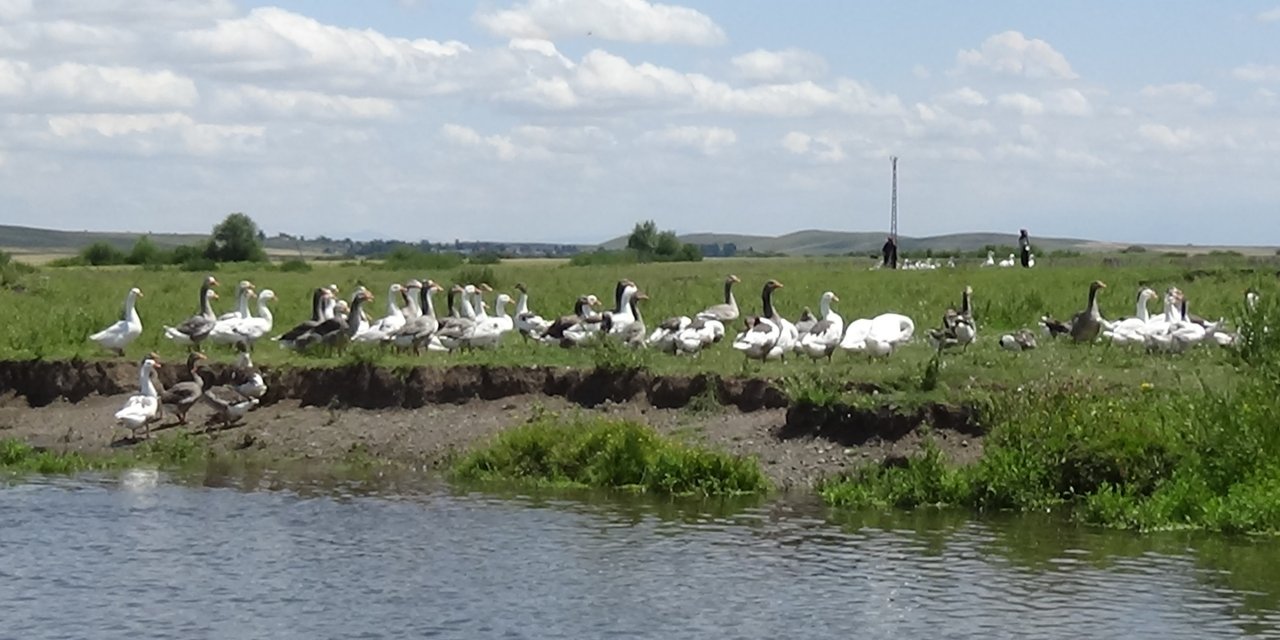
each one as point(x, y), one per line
point(423, 414)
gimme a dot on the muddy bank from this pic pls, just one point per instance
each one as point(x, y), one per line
point(422, 416)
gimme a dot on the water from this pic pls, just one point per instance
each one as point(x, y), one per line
point(136, 556)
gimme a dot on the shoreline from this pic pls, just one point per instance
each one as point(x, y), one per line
point(423, 416)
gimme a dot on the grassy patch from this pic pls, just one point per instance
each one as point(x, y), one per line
point(612, 454)
point(168, 451)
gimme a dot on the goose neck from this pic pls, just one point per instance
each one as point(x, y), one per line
point(428, 305)
point(145, 386)
point(522, 303)
point(131, 307)
point(824, 307)
point(206, 309)
point(766, 300)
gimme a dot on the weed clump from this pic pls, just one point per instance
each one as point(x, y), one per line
point(611, 454)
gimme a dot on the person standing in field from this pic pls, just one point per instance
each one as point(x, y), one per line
point(1024, 246)
point(890, 250)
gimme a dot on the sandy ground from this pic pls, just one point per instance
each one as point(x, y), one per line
point(427, 436)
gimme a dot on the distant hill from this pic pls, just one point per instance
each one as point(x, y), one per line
point(815, 242)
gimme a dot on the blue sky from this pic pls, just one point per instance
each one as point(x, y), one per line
point(441, 119)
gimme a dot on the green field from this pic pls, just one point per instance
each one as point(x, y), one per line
point(49, 313)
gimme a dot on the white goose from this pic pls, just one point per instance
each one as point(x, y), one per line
point(760, 340)
point(249, 382)
point(991, 259)
point(487, 331)
point(824, 336)
point(125, 330)
point(224, 330)
point(379, 330)
point(242, 302)
point(412, 293)
point(143, 408)
point(251, 330)
point(1008, 262)
point(878, 336)
point(528, 323)
point(1131, 330)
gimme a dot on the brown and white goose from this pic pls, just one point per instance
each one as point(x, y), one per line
point(196, 328)
point(182, 396)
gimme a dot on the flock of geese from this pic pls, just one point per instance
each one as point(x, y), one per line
point(467, 324)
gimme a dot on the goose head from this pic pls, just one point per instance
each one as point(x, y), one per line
point(413, 283)
point(593, 301)
point(267, 294)
point(194, 358)
point(521, 288)
point(732, 279)
point(484, 286)
point(151, 361)
point(828, 297)
point(210, 281)
point(135, 292)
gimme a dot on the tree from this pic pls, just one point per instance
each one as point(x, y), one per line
point(668, 244)
point(145, 251)
point(644, 237)
point(235, 239)
point(101, 253)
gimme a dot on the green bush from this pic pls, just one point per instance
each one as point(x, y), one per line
point(101, 254)
point(613, 454)
point(604, 257)
point(410, 259)
point(297, 265)
point(487, 257)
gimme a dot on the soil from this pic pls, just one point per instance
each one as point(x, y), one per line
point(424, 415)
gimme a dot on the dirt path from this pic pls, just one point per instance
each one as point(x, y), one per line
point(427, 435)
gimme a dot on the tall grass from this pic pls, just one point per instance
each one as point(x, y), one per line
point(174, 451)
point(1197, 458)
point(612, 454)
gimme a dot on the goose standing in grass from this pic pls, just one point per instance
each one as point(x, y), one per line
point(990, 261)
point(384, 326)
point(196, 328)
point(142, 408)
point(958, 328)
point(1021, 340)
point(454, 331)
point(488, 330)
point(413, 298)
point(761, 337)
point(224, 331)
point(805, 322)
point(252, 329)
point(248, 379)
point(528, 323)
point(1086, 325)
point(125, 330)
point(824, 335)
point(1131, 330)
point(621, 315)
point(565, 330)
point(1009, 262)
point(719, 316)
point(418, 331)
point(182, 396)
point(631, 335)
point(243, 289)
point(320, 299)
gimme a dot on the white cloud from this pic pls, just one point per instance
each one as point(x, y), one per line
point(1257, 73)
point(1270, 15)
point(149, 134)
point(532, 142)
point(1012, 53)
point(1165, 136)
point(1067, 102)
point(621, 20)
point(274, 42)
point(787, 65)
point(1020, 102)
point(302, 104)
point(820, 148)
point(964, 96)
point(14, 9)
point(1186, 92)
point(708, 141)
point(97, 86)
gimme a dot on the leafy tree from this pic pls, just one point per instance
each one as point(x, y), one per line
point(235, 239)
point(644, 237)
point(668, 244)
point(145, 251)
point(101, 253)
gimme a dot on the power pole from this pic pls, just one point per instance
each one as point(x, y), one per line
point(893, 203)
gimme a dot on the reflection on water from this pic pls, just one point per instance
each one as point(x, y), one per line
point(255, 555)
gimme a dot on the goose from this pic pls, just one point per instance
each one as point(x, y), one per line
point(991, 259)
point(242, 302)
point(182, 396)
point(1022, 340)
point(196, 328)
point(488, 330)
point(726, 311)
point(412, 296)
point(454, 331)
point(384, 326)
point(142, 408)
point(125, 330)
point(338, 330)
point(1186, 332)
point(621, 314)
point(228, 404)
point(825, 334)
point(1193, 318)
point(685, 335)
point(251, 329)
point(1008, 262)
point(248, 379)
point(806, 321)
point(227, 332)
point(763, 334)
point(958, 328)
point(1086, 325)
point(1131, 330)
point(419, 330)
point(321, 300)
point(1031, 260)
point(528, 323)
point(567, 330)
point(632, 335)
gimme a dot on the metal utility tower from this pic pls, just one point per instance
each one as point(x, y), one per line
point(893, 203)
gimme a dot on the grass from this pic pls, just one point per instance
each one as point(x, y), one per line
point(608, 454)
point(56, 309)
point(167, 451)
point(1200, 458)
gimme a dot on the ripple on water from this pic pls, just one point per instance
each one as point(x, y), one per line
point(217, 561)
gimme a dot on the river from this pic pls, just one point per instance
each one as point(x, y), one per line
point(140, 555)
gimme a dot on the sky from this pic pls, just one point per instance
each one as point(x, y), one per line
point(570, 120)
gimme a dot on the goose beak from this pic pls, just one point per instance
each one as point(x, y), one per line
point(142, 296)
point(213, 294)
point(835, 298)
point(485, 287)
